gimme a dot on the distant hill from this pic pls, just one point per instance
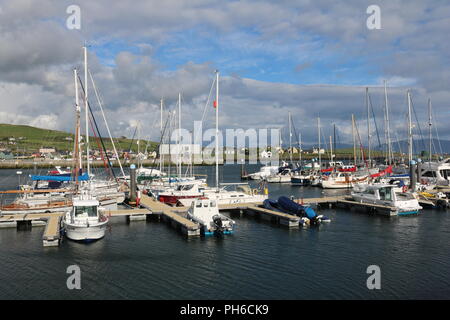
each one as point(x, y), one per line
point(419, 145)
point(26, 139)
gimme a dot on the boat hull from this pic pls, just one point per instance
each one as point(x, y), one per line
point(85, 233)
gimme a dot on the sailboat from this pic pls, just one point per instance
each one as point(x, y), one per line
point(242, 192)
point(84, 221)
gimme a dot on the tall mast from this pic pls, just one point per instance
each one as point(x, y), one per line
point(290, 136)
point(334, 135)
point(368, 126)
point(410, 142)
point(429, 128)
point(162, 138)
point(354, 140)
point(388, 131)
point(300, 148)
point(217, 129)
point(318, 131)
point(331, 149)
point(179, 135)
point(87, 111)
point(77, 155)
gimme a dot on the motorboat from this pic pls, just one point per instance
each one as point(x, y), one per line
point(264, 172)
point(436, 173)
point(385, 194)
point(189, 190)
point(85, 221)
point(205, 212)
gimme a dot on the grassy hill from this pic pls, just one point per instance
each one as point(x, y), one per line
point(29, 139)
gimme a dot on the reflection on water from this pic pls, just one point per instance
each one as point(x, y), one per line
point(150, 260)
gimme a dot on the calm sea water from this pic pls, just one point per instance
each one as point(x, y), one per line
point(150, 260)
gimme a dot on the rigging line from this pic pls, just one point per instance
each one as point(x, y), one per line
point(418, 124)
point(361, 147)
point(160, 143)
point(96, 126)
point(206, 104)
point(100, 104)
point(375, 121)
point(437, 134)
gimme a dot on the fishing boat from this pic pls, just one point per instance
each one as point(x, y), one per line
point(384, 194)
point(85, 220)
point(206, 212)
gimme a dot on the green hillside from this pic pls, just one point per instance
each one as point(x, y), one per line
point(29, 139)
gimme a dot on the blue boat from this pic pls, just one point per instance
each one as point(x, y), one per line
point(286, 205)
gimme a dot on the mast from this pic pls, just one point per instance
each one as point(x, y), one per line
point(162, 139)
point(87, 111)
point(300, 148)
point(179, 136)
point(388, 131)
point(429, 129)
point(334, 135)
point(354, 140)
point(410, 142)
point(217, 129)
point(331, 150)
point(77, 129)
point(368, 126)
point(318, 131)
point(290, 136)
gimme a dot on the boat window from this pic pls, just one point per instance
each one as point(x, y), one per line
point(445, 173)
point(213, 204)
point(429, 174)
point(385, 194)
point(205, 204)
point(198, 204)
point(404, 196)
point(370, 191)
point(90, 210)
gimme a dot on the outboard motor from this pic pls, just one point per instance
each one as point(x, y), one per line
point(218, 223)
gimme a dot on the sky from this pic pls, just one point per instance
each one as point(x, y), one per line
point(310, 58)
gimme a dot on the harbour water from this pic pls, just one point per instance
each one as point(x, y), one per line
point(150, 260)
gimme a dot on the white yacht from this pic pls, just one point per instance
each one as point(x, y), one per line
point(264, 172)
point(437, 173)
point(242, 193)
point(206, 212)
point(281, 177)
point(384, 194)
point(341, 180)
point(85, 221)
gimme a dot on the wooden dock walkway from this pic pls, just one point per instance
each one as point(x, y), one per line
point(174, 215)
